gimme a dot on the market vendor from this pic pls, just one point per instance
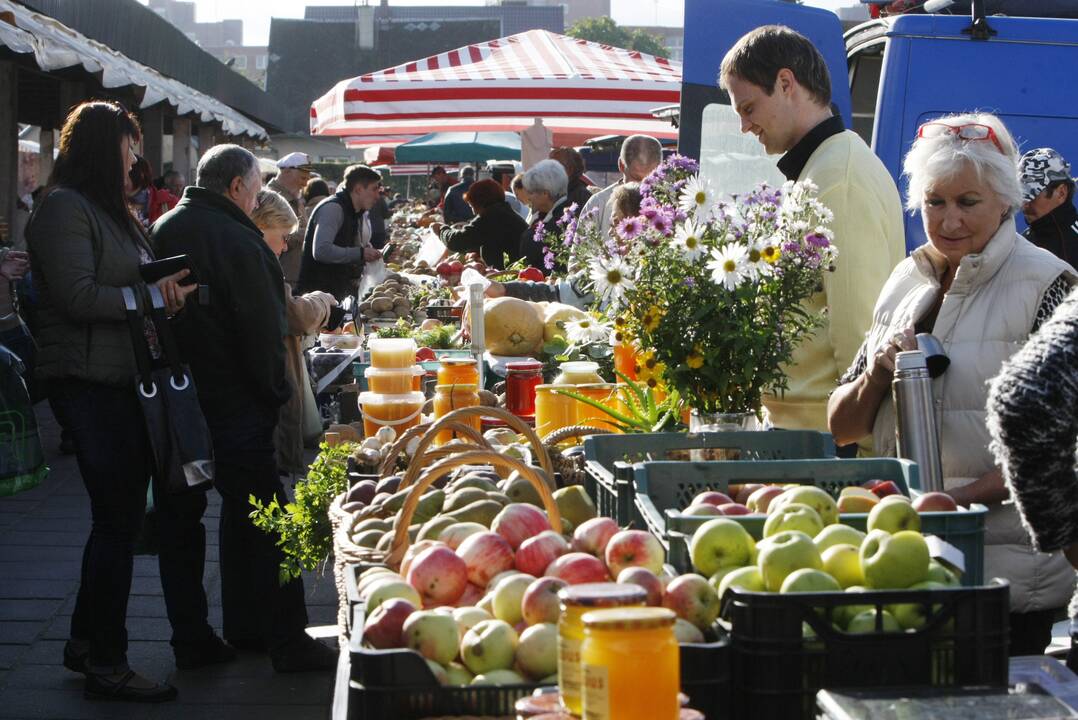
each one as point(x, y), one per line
point(546, 184)
point(982, 289)
point(495, 230)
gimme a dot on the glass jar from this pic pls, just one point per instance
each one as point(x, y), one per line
point(458, 371)
point(576, 600)
point(605, 393)
point(448, 398)
point(553, 411)
point(521, 379)
point(625, 359)
point(579, 372)
point(630, 662)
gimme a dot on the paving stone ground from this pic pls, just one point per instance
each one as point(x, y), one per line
point(42, 533)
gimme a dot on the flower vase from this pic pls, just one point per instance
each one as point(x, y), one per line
point(705, 422)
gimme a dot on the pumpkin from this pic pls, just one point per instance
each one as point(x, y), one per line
point(512, 327)
point(555, 313)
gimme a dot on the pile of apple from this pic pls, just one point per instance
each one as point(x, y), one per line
point(805, 549)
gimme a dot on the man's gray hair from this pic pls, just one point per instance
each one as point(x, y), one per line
point(547, 176)
point(641, 150)
point(222, 164)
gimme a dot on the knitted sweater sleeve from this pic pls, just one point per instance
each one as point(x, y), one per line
point(1033, 419)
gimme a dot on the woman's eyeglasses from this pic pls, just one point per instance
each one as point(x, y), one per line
point(968, 132)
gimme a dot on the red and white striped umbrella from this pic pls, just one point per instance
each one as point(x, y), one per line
point(580, 89)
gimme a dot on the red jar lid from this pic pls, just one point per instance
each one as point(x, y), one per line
point(523, 365)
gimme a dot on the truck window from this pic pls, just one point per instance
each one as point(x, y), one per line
point(865, 65)
point(734, 162)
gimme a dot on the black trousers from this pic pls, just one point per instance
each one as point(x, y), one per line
point(1031, 632)
point(113, 454)
point(255, 606)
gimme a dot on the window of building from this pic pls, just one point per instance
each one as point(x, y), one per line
point(260, 62)
point(734, 162)
point(240, 62)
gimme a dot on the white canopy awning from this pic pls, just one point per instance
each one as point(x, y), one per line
point(56, 46)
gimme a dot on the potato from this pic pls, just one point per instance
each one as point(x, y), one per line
point(381, 305)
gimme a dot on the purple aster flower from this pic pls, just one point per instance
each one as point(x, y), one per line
point(629, 228)
point(540, 232)
point(790, 247)
point(662, 222)
point(548, 258)
point(817, 240)
point(690, 282)
point(649, 212)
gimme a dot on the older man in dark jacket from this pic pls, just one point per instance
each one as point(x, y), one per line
point(234, 344)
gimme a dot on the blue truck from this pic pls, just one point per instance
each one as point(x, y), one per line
point(902, 70)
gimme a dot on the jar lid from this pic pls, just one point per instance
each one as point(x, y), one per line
point(522, 365)
point(447, 360)
point(559, 386)
point(597, 386)
point(458, 387)
point(580, 366)
point(602, 594)
point(394, 372)
point(629, 618)
point(410, 398)
point(390, 344)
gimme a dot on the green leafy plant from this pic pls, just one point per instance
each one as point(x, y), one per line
point(644, 412)
point(303, 527)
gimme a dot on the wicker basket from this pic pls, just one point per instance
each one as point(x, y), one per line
point(571, 469)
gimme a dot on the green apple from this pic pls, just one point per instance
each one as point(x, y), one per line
point(508, 598)
point(499, 677)
point(842, 614)
point(893, 517)
point(865, 622)
point(457, 674)
point(894, 561)
point(720, 574)
point(843, 562)
point(793, 516)
point(746, 578)
point(785, 552)
point(914, 616)
point(490, 645)
point(838, 534)
point(937, 572)
point(434, 635)
point(720, 543)
point(816, 498)
point(809, 580)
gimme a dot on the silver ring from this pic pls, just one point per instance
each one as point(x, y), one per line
point(153, 390)
point(172, 382)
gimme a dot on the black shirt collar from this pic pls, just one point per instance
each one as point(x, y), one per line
point(794, 161)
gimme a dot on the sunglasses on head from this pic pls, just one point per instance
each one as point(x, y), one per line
point(968, 132)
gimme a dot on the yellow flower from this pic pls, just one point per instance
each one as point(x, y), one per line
point(696, 358)
point(619, 321)
point(771, 253)
point(651, 318)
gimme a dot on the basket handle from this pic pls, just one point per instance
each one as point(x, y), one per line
point(481, 411)
point(401, 541)
point(573, 431)
point(422, 456)
point(401, 443)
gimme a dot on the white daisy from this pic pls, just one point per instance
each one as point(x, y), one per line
point(586, 330)
point(697, 198)
point(727, 265)
point(611, 278)
point(755, 264)
point(688, 239)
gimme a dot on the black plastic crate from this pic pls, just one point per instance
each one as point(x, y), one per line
point(705, 674)
point(779, 667)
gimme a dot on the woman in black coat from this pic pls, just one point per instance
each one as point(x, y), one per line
point(494, 231)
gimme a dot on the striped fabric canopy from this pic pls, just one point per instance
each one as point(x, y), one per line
point(580, 89)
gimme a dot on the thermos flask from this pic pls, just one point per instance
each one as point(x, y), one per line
point(916, 430)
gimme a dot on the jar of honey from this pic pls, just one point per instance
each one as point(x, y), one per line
point(553, 411)
point(394, 381)
point(605, 393)
point(458, 371)
point(521, 379)
point(625, 358)
point(448, 398)
point(630, 664)
point(399, 412)
point(576, 600)
point(392, 352)
point(578, 372)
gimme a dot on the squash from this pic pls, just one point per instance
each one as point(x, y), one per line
point(559, 312)
point(512, 327)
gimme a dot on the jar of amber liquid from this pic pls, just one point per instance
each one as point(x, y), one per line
point(603, 393)
point(630, 664)
point(577, 600)
point(448, 398)
point(458, 371)
point(626, 355)
point(552, 410)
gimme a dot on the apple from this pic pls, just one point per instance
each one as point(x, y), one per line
point(935, 502)
point(499, 677)
point(896, 498)
point(646, 579)
point(858, 491)
point(784, 553)
point(734, 509)
point(439, 575)
point(592, 536)
point(444, 268)
point(391, 587)
point(761, 499)
point(686, 632)
point(843, 563)
point(576, 568)
point(746, 578)
point(712, 497)
point(434, 635)
point(634, 548)
point(537, 652)
point(531, 273)
point(692, 598)
point(413, 551)
point(519, 521)
point(536, 553)
point(471, 596)
point(501, 576)
point(508, 596)
point(540, 603)
point(469, 617)
point(865, 622)
point(838, 534)
point(720, 543)
point(816, 498)
point(914, 616)
point(744, 492)
point(894, 561)
point(937, 572)
point(490, 645)
point(716, 578)
point(809, 580)
point(486, 554)
point(455, 534)
point(702, 510)
point(842, 614)
point(383, 627)
point(857, 504)
point(894, 517)
point(368, 579)
point(438, 672)
point(793, 516)
point(885, 488)
point(457, 674)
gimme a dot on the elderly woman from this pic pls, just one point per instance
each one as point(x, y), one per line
point(982, 290)
point(306, 315)
point(546, 183)
point(494, 231)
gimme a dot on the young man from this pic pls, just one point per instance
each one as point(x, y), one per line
point(780, 87)
point(1048, 203)
point(293, 172)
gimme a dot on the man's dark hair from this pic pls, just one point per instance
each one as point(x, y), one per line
point(1070, 188)
point(359, 175)
point(438, 170)
point(499, 171)
point(315, 187)
point(759, 55)
point(170, 174)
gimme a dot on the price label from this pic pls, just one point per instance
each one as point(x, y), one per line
point(596, 693)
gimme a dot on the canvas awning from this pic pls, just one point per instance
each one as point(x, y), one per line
point(458, 147)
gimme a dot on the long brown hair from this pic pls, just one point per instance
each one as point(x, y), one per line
point(89, 158)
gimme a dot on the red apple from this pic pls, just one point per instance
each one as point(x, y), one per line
point(576, 568)
point(519, 521)
point(934, 502)
point(885, 488)
point(743, 492)
point(711, 497)
point(457, 267)
point(761, 498)
point(540, 603)
point(486, 554)
point(631, 548)
point(645, 579)
point(439, 575)
point(694, 599)
point(592, 536)
point(869, 484)
point(535, 554)
point(383, 626)
point(445, 268)
point(734, 509)
point(413, 552)
point(471, 596)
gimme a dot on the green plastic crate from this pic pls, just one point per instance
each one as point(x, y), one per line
point(609, 459)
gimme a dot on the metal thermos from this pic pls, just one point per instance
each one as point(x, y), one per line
point(916, 430)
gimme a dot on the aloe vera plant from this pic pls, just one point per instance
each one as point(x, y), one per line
point(643, 413)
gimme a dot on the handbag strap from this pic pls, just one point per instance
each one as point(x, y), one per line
point(168, 341)
point(138, 343)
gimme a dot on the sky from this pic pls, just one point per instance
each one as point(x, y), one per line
point(256, 14)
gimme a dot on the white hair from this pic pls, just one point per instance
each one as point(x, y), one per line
point(547, 176)
point(935, 159)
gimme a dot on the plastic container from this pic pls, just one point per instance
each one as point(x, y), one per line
point(579, 372)
point(392, 352)
point(458, 371)
point(786, 649)
point(339, 341)
point(389, 381)
point(399, 412)
point(448, 398)
point(553, 411)
point(521, 379)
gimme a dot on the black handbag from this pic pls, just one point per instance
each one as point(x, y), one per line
point(179, 436)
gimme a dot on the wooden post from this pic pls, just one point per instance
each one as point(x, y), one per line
point(181, 147)
point(153, 131)
point(9, 140)
point(205, 138)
